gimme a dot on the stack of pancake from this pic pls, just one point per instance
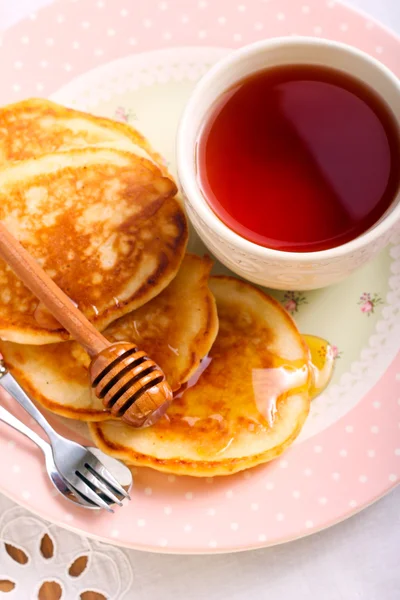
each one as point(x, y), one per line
point(94, 204)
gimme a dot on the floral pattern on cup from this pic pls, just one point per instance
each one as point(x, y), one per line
point(292, 301)
point(124, 115)
point(368, 302)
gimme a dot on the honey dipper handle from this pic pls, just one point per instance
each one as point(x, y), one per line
point(44, 288)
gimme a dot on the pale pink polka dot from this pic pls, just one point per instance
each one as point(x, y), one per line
point(209, 480)
point(283, 464)
point(148, 491)
point(237, 37)
point(39, 87)
point(167, 35)
point(211, 512)
point(212, 544)
point(185, 19)
point(133, 41)
point(221, 20)
point(188, 528)
point(258, 26)
point(229, 494)
point(98, 52)
point(322, 500)
point(363, 479)
point(296, 494)
point(349, 429)
point(26, 495)
point(167, 510)
point(374, 429)
point(280, 516)
point(202, 34)
point(262, 537)
point(85, 24)
point(281, 16)
point(397, 452)
point(147, 23)
point(141, 522)
point(68, 67)
point(318, 449)
point(76, 45)
point(343, 453)
point(163, 5)
point(11, 444)
point(379, 49)
point(371, 453)
point(241, 8)
point(124, 12)
point(16, 469)
point(189, 495)
point(376, 404)
point(269, 485)
point(25, 40)
point(163, 542)
point(352, 504)
point(309, 524)
point(114, 533)
point(335, 476)
point(202, 4)
point(308, 472)
point(16, 87)
point(254, 506)
point(100, 4)
point(305, 9)
point(60, 19)
point(171, 478)
point(344, 27)
point(393, 477)
point(50, 42)
point(111, 32)
point(369, 24)
point(234, 526)
point(317, 30)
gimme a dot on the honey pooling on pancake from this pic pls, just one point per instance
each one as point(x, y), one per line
point(245, 404)
point(322, 362)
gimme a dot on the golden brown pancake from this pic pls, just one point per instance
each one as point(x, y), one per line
point(177, 329)
point(246, 404)
point(37, 126)
point(103, 224)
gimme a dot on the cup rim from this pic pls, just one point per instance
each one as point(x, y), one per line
point(186, 165)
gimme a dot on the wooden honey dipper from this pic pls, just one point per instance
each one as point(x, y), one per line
point(129, 383)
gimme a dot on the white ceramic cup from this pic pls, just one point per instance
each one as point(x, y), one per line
point(264, 266)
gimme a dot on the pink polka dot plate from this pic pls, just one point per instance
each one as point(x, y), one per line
point(138, 62)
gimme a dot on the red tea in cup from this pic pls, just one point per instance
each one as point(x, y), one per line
point(299, 158)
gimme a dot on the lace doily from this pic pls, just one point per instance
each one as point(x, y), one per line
point(39, 561)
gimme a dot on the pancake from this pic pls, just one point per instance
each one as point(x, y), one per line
point(36, 126)
point(245, 405)
point(177, 329)
point(103, 224)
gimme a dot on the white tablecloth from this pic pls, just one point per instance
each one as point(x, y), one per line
point(356, 560)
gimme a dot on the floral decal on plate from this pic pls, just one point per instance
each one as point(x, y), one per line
point(124, 115)
point(368, 302)
point(331, 351)
point(292, 301)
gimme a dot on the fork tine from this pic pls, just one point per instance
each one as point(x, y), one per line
point(108, 478)
point(83, 489)
point(95, 479)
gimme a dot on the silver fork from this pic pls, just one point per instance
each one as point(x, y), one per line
point(81, 470)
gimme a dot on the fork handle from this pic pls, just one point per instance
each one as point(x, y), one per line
point(11, 386)
point(18, 425)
